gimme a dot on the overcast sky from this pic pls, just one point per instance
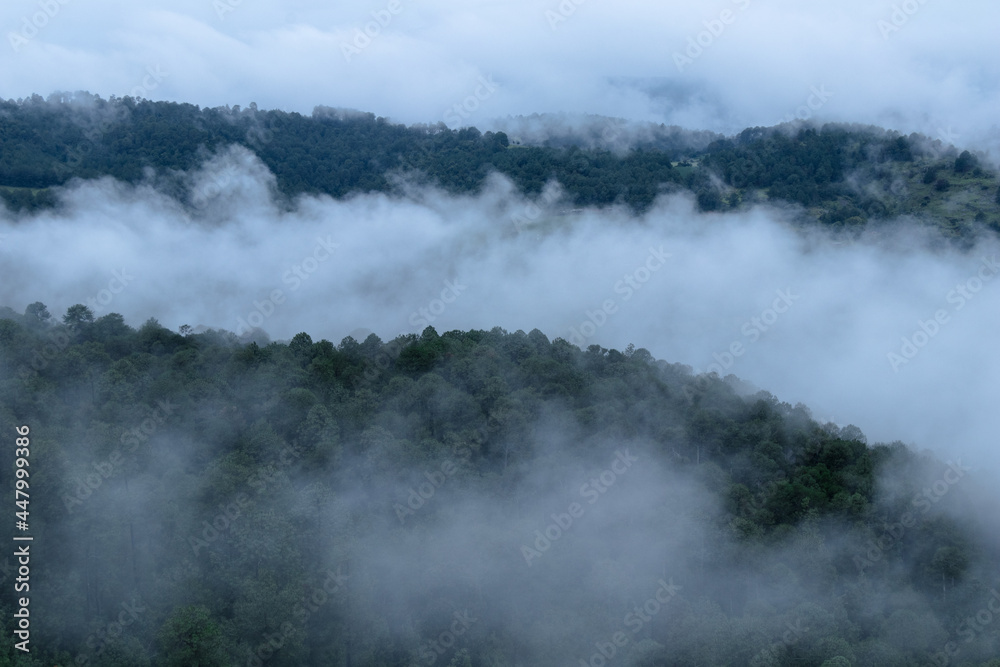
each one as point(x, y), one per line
point(923, 65)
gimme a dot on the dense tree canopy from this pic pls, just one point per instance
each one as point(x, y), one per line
point(842, 175)
point(218, 501)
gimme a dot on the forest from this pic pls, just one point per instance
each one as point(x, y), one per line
point(840, 176)
point(465, 498)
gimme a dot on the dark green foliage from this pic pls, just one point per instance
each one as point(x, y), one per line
point(965, 162)
point(240, 451)
point(899, 150)
point(78, 317)
point(36, 315)
point(709, 200)
point(191, 638)
point(27, 199)
point(844, 176)
point(44, 144)
point(802, 168)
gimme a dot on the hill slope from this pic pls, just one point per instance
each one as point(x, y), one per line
point(842, 176)
point(476, 497)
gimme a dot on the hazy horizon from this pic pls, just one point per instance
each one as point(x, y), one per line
point(912, 66)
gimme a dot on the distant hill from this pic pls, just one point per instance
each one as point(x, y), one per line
point(843, 176)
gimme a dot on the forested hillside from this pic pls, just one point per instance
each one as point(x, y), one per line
point(844, 176)
point(465, 498)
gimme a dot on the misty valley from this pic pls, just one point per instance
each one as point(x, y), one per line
point(269, 397)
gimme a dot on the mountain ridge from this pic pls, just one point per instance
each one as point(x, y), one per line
point(841, 176)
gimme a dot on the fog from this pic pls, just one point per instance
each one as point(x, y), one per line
point(722, 66)
point(892, 332)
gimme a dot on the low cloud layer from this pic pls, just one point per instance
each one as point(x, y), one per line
point(917, 65)
point(893, 332)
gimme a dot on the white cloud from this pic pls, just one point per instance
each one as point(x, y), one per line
point(852, 304)
point(936, 70)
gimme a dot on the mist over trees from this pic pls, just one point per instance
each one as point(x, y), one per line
point(479, 496)
point(841, 175)
point(467, 498)
point(500, 334)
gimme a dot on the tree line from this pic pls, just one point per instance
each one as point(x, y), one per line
point(841, 175)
